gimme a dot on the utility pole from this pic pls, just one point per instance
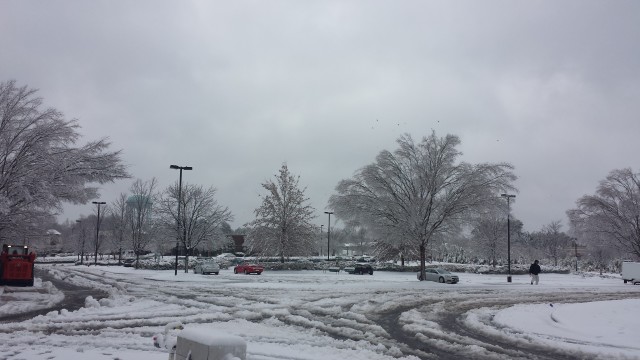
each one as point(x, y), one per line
point(508, 197)
point(95, 255)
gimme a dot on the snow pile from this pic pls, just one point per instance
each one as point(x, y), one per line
point(19, 300)
point(309, 315)
point(90, 302)
point(607, 327)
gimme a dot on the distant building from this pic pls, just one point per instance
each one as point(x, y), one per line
point(48, 243)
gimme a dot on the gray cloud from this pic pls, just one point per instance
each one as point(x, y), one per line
point(235, 89)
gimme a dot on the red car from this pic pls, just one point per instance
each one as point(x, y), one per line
point(248, 268)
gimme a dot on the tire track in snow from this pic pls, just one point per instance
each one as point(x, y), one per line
point(74, 298)
point(455, 336)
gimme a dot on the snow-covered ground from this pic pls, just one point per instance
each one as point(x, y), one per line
point(321, 315)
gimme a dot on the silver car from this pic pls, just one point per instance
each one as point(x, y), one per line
point(441, 276)
point(207, 267)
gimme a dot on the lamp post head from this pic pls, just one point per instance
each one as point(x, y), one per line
point(180, 167)
point(328, 212)
point(507, 196)
point(98, 202)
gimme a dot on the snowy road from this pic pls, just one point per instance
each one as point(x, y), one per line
point(74, 298)
point(313, 315)
point(441, 328)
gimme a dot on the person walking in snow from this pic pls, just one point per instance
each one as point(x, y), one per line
point(534, 270)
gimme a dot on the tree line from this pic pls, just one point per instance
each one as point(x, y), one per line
point(419, 201)
point(146, 220)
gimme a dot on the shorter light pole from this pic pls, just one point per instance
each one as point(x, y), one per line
point(508, 197)
point(321, 228)
point(178, 217)
point(82, 243)
point(328, 233)
point(575, 247)
point(95, 255)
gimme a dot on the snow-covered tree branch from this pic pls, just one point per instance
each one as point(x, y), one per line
point(139, 215)
point(201, 217)
point(40, 164)
point(283, 220)
point(613, 212)
point(419, 191)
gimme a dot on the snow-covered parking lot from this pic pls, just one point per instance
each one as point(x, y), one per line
point(321, 315)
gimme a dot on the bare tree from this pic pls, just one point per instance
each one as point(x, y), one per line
point(201, 217)
point(555, 242)
point(81, 238)
point(400, 248)
point(40, 165)
point(119, 223)
point(418, 191)
point(341, 241)
point(139, 215)
point(99, 239)
point(614, 211)
point(353, 240)
point(601, 255)
point(489, 237)
point(361, 240)
point(283, 220)
point(490, 234)
point(593, 246)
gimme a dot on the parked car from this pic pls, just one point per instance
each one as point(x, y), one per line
point(248, 268)
point(366, 258)
point(440, 275)
point(129, 262)
point(360, 268)
point(209, 266)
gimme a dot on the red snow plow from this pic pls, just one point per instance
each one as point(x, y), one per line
point(16, 265)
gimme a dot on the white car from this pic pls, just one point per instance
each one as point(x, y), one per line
point(207, 267)
point(440, 275)
point(631, 272)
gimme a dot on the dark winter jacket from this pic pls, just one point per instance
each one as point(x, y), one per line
point(534, 269)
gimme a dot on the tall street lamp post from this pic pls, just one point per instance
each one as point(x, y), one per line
point(508, 197)
point(179, 201)
point(95, 255)
point(328, 233)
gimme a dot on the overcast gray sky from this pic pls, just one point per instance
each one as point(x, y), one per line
point(236, 88)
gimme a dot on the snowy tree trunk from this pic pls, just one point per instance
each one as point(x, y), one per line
point(282, 244)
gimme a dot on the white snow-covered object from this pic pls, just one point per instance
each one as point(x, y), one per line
point(631, 272)
point(207, 344)
point(168, 339)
